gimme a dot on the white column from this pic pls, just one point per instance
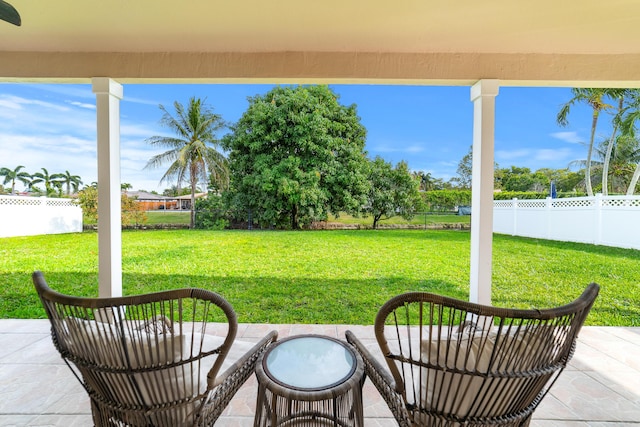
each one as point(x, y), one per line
point(483, 95)
point(108, 95)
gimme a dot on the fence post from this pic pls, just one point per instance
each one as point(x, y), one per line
point(598, 218)
point(514, 231)
point(41, 226)
point(547, 205)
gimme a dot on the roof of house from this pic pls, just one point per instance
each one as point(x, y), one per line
point(143, 195)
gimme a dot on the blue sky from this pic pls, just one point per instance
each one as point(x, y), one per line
point(53, 125)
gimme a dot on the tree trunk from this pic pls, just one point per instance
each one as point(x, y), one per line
point(376, 219)
point(634, 181)
point(294, 218)
point(587, 173)
point(607, 157)
point(192, 223)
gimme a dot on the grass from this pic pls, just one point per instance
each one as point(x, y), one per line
point(323, 276)
point(420, 219)
point(168, 217)
point(182, 217)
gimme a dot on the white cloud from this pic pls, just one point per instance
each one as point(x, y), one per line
point(553, 155)
point(35, 117)
point(140, 101)
point(83, 105)
point(137, 131)
point(507, 155)
point(570, 137)
point(68, 91)
point(410, 148)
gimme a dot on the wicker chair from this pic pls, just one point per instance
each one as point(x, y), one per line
point(153, 359)
point(455, 363)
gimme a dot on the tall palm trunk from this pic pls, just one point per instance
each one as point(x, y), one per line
point(607, 157)
point(587, 177)
point(634, 181)
point(194, 181)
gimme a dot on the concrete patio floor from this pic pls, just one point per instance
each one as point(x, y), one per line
point(601, 387)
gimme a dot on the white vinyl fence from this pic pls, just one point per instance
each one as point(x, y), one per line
point(28, 216)
point(601, 220)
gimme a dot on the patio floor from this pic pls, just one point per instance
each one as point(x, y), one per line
point(601, 387)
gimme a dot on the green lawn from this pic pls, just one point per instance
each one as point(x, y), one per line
point(323, 276)
point(168, 217)
point(420, 219)
point(182, 217)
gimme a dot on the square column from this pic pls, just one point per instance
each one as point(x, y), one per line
point(483, 95)
point(108, 95)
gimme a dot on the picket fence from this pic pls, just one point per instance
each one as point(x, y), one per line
point(29, 216)
point(600, 220)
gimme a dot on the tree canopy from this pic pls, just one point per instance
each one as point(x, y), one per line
point(393, 191)
point(297, 155)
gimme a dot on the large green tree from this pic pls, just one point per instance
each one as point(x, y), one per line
point(193, 152)
point(297, 155)
point(13, 175)
point(393, 191)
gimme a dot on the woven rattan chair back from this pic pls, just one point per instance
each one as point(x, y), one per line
point(147, 360)
point(457, 363)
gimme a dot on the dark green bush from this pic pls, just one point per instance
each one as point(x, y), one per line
point(211, 213)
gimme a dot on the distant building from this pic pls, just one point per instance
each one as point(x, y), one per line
point(155, 202)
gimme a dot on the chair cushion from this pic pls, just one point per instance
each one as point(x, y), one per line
point(134, 345)
point(464, 394)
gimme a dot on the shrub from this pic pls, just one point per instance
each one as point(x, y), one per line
point(446, 200)
point(211, 213)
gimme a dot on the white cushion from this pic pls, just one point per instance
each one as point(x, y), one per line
point(147, 344)
point(455, 393)
point(111, 343)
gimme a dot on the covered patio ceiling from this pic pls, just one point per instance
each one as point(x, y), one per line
point(546, 42)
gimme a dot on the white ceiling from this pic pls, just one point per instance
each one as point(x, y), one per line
point(453, 27)
point(491, 26)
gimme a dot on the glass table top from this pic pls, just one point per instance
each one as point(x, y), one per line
point(309, 362)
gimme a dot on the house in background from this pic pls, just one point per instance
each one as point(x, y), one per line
point(158, 202)
point(153, 202)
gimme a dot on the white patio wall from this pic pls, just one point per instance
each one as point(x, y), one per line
point(28, 216)
point(609, 221)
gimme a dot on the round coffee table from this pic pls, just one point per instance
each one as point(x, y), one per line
point(309, 380)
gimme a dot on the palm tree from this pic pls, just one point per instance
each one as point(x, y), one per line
point(50, 181)
point(624, 168)
point(634, 180)
point(189, 153)
point(595, 98)
point(125, 186)
point(11, 176)
point(425, 179)
point(70, 181)
point(628, 127)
